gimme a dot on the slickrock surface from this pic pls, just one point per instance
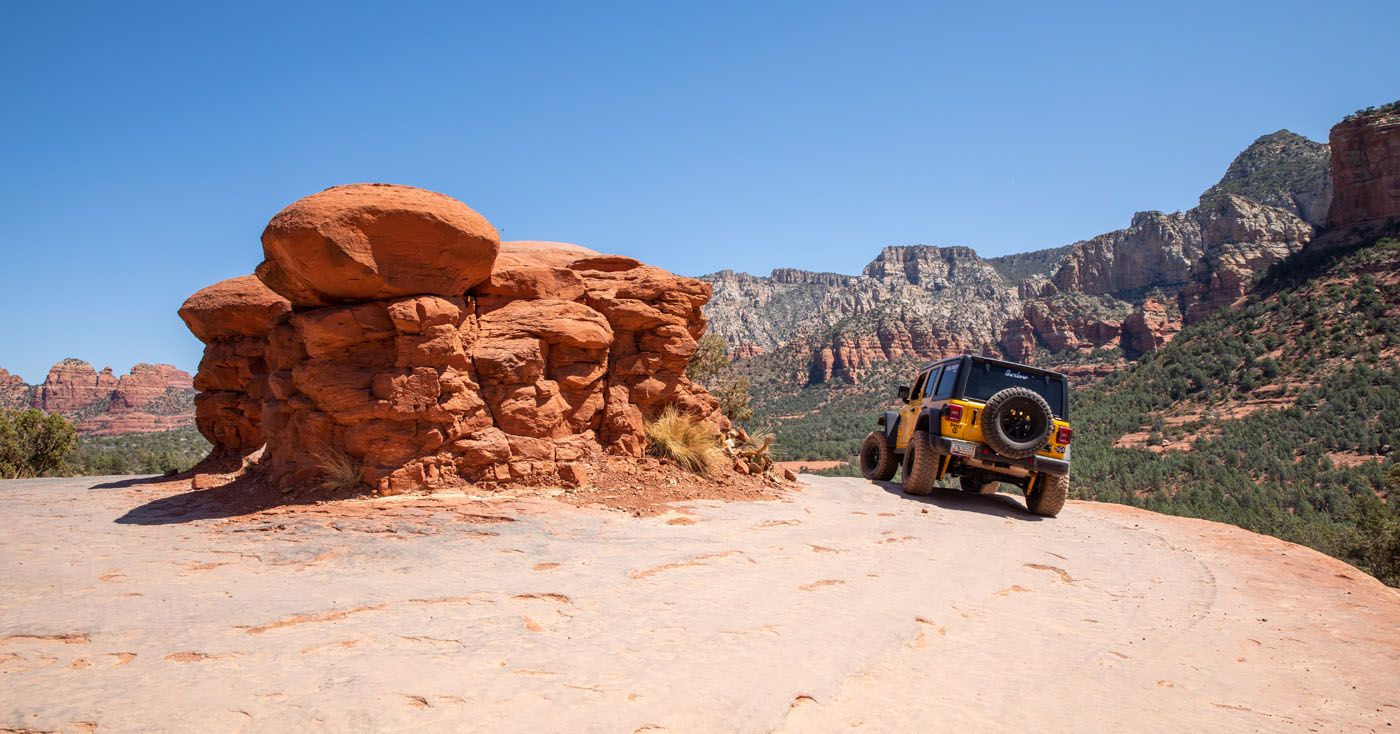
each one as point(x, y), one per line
point(137, 608)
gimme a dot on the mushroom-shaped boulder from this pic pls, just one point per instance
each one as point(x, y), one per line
point(376, 241)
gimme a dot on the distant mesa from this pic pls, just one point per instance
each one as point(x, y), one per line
point(390, 340)
point(152, 397)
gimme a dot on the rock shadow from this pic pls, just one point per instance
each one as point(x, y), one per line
point(245, 495)
point(996, 505)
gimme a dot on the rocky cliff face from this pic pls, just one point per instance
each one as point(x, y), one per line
point(152, 397)
point(917, 301)
point(1366, 167)
point(1130, 289)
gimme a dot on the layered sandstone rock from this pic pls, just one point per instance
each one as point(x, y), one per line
point(147, 383)
point(73, 386)
point(1366, 168)
point(152, 397)
point(502, 362)
point(1241, 239)
point(232, 318)
point(1151, 325)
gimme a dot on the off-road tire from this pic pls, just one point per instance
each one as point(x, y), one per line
point(968, 484)
point(877, 462)
point(920, 465)
point(1033, 406)
point(1049, 495)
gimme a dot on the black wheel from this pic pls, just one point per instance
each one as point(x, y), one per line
point(920, 465)
point(1049, 495)
point(1016, 422)
point(877, 462)
point(970, 484)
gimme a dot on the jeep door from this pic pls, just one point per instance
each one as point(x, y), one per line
point(909, 412)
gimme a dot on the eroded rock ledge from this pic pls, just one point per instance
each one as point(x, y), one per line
point(391, 340)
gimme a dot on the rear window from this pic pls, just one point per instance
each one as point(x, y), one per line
point(985, 380)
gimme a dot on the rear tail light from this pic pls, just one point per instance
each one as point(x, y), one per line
point(1064, 435)
point(953, 413)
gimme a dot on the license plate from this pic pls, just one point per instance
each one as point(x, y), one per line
point(958, 448)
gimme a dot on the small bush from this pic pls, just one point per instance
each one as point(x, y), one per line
point(681, 438)
point(340, 472)
point(34, 444)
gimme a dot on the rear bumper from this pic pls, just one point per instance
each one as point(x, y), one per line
point(1042, 464)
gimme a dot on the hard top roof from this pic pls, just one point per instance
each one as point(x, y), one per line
point(996, 363)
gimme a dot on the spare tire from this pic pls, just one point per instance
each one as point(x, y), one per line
point(1016, 422)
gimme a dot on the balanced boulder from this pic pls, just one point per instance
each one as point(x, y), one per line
point(372, 241)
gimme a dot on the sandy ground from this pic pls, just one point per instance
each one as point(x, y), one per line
point(845, 606)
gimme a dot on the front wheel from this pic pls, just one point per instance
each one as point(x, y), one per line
point(1049, 495)
point(877, 462)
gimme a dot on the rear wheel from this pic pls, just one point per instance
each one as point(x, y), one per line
point(877, 462)
point(920, 465)
point(1049, 495)
point(972, 484)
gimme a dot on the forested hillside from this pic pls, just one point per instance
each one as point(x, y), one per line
point(1280, 415)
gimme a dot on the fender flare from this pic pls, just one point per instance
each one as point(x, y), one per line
point(889, 421)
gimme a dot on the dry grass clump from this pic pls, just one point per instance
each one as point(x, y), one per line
point(685, 440)
point(340, 472)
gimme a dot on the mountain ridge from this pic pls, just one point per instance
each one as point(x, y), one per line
point(150, 398)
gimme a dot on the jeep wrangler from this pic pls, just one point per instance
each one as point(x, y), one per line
point(982, 420)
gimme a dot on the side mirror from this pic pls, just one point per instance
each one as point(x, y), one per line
point(904, 393)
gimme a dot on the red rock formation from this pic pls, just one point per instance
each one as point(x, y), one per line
point(73, 385)
point(232, 318)
point(146, 383)
point(1064, 326)
point(1365, 168)
point(14, 393)
point(1151, 325)
point(1018, 341)
point(514, 372)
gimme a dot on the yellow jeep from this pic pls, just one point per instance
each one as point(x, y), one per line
point(984, 421)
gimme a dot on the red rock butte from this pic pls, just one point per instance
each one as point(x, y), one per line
point(391, 335)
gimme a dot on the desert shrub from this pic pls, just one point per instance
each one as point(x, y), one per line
point(340, 472)
point(710, 367)
point(685, 440)
point(34, 444)
point(711, 355)
point(734, 399)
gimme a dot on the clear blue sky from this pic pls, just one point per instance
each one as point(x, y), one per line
point(146, 145)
